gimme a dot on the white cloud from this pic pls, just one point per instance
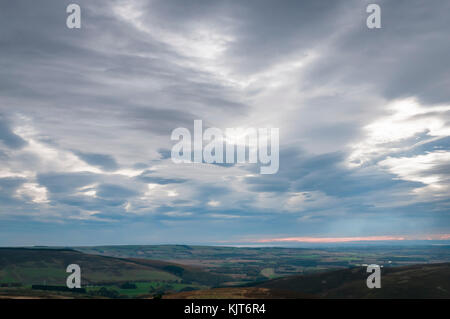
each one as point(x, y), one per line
point(36, 192)
point(214, 203)
point(402, 122)
point(421, 169)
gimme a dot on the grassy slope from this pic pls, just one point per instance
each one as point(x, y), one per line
point(418, 281)
point(38, 266)
point(187, 273)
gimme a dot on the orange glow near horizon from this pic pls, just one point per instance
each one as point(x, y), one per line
point(350, 239)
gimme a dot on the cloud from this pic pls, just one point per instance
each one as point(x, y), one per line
point(7, 136)
point(106, 162)
point(110, 191)
point(65, 182)
point(8, 187)
point(86, 118)
point(147, 177)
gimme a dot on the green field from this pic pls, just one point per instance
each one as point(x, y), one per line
point(249, 264)
point(39, 266)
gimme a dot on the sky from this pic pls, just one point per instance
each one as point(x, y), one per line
point(86, 117)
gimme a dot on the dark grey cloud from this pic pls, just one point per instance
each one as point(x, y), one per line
point(441, 169)
point(264, 31)
point(65, 182)
point(111, 191)
point(159, 121)
point(302, 172)
point(165, 153)
point(8, 187)
point(402, 59)
point(94, 204)
point(148, 177)
point(140, 166)
point(104, 161)
point(10, 184)
point(419, 144)
point(7, 136)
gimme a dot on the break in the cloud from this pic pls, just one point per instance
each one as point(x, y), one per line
point(86, 117)
point(350, 239)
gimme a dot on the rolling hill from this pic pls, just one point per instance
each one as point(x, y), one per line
point(112, 277)
point(30, 266)
point(418, 281)
point(249, 264)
